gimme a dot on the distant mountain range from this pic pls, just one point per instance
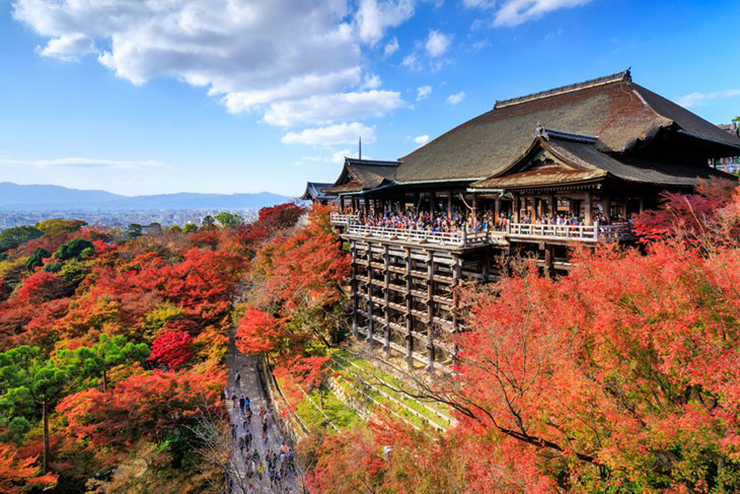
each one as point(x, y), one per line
point(53, 197)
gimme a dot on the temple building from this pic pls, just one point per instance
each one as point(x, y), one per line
point(314, 193)
point(524, 180)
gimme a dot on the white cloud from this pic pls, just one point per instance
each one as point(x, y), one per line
point(68, 47)
point(81, 163)
point(456, 98)
point(371, 82)
point(437, 43)
point(423, 92)
point(412, 62)
point(422, 139)
point(374, 17)
point(698, 99)
point(515, 12)
point(253, 55)
point(391, 48)
point(332, 135)
point(479, 4)
point(322, 110)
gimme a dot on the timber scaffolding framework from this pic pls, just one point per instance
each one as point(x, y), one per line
point(404, 282)
point(404, 295)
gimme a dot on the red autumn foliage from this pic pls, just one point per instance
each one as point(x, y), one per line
point(143, 406)
point(711, 214)
point(40, 287)
point(18, 475)
point(257, 332)
point(304, 268)
point(172, 348)
point(627, 365)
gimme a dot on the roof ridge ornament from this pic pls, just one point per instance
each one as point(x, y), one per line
point(624, 76)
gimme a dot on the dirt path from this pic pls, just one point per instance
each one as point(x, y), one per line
point(262, 472)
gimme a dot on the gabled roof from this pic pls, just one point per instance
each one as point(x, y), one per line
point(359, 175)
point(620, 112)
point(567, 158)
point(314, 192)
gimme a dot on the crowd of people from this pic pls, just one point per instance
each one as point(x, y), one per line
point(275, 464)
point(456, 221)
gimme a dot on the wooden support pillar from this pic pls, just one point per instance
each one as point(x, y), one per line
point(606, 204)
point(449, 204)
point(341, 204)
point(588, 216)
point(548, 258)
point(516, 208)
point(552, 205)
point(432, 202)
point(456, 275)
point(496, 209)
point(355, 296)
point(367, 206)
point(370, 291)
point(387, 286)
point(417, 203)
point(409, 316)
point(475, 204)
point(430, 312)
point(456, 282)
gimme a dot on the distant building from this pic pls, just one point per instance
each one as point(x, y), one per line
point(314, 193)
point(152, 229)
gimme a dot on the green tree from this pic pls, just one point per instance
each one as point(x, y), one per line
point(13, 237)
point(190, 228)
point(74, 249)
point(95, 361)
point(208, 220)
point(134, 230)
point(37, 258)
point(56, 226)
point(29, 381)
point(229, 220)
point(175, 229)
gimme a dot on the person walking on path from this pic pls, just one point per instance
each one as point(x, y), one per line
point(238, 380)
point(241, 404)
point(246, 404)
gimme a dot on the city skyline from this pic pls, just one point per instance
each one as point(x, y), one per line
point(150, 98)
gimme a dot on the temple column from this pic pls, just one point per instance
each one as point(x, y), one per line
point(355, 296)
point(430, 312)
point(409, 315)
point(516, 208)
point(475, 204)
point(449, 204)
point(432, 202)
point(341, 204)
point(370, 291)
point(588, 218)
point(387, 286)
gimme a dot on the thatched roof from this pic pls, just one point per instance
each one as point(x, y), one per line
point(613, 108)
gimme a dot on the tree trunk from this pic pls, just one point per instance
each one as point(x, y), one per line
point(45, 467)
point(105, 381)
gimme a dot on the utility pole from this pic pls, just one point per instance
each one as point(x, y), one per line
point(359, 154)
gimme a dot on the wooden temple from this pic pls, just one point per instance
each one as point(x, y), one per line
point(532, 176)
point(315, 193)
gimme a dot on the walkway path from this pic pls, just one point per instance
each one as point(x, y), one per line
point(250, 476)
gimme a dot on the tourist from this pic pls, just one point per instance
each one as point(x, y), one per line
point(238, 380)
point(241, 404)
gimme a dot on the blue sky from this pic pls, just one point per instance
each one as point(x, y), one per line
point(148, 96)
